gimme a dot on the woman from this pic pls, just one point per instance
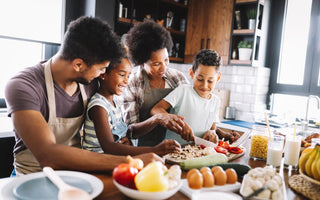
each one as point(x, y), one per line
point(148, 45)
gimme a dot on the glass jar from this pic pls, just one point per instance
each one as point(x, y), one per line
point(259, 142)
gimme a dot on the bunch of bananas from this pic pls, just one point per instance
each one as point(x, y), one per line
point(309, 163)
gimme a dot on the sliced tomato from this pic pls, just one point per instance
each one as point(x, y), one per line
point(220, 149)
point(235, 150)
point(202, 146)
point(224, 144)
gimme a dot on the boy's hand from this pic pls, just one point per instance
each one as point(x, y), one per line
point(187, 132)
point(167, 146)
point(170, 121)
point(211, 136)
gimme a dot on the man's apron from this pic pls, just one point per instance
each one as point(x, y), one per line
point(66, 130)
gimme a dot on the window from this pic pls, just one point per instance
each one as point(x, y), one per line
point(296, 62)
point(31, 31)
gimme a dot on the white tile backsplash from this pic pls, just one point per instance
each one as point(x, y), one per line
point(248, 87)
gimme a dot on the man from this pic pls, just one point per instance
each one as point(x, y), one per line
point(47, 101)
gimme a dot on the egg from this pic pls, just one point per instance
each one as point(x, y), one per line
point(232, 176)
point(195, 180)
point(220, 177)
point(213, 169)
point(203, 169)
point(208, 179)
point(191, 171)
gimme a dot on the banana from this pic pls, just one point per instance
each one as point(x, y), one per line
point(314, 169)
point(318, 168)
point(303, 159)
point(309, 162)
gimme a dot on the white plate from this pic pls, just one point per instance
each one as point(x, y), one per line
point(185, 189)
point(244, 136)
point(136, 194)
point(7, 190)
point(216, 195)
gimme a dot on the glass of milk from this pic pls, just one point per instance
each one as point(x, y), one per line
point(275, 149)
point(292, 151)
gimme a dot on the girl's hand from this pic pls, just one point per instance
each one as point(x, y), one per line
point(167, 146)
point(125, 141)
point(211, 136)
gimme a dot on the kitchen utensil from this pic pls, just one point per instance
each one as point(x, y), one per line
point(200, 141)
point(66, 192)
point(256, 192)
point(230, 113)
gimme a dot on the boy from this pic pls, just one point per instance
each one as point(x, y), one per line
point(196, 103)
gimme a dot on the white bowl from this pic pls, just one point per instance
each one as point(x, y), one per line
point(136, 194)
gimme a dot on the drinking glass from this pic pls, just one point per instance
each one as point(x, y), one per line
point(275, 149)
point(292, 151)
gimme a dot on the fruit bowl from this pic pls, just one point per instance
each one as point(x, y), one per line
point(136, 194)
point(308, 178)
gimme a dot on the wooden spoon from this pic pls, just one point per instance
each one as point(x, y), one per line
point(66, 191)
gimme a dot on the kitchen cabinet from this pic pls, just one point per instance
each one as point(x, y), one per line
point(243, 30)
point(209, 26)
point(172, 14)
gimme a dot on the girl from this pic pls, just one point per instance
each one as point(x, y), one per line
point(104, 128)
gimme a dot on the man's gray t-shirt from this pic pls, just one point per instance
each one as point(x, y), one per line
point(27, 91)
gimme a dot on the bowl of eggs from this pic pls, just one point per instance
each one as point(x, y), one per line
point(136, 194)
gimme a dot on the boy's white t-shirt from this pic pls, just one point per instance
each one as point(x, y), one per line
point(198, 112)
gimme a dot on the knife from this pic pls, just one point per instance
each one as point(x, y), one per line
point(200, 141)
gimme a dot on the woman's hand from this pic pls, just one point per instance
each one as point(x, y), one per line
point(171, 121)
point(167, 146)
point(211, 136)
point(187, 132)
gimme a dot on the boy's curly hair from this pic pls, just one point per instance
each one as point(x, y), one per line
point(92, 40)
point(206, 57)
point(145, 38)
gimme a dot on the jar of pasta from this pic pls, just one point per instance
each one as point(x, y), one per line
point(259, 142)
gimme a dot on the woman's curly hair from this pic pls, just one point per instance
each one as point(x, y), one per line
point(145, 38)
point(206, 57)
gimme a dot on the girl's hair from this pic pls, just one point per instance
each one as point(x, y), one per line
point(114, 64)
point(206, 57)
point(145, 38)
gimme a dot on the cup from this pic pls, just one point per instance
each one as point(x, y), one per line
point(275, 148)
point(292, 151)
point(259, 142)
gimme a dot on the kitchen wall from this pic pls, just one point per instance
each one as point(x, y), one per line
point(248, 88)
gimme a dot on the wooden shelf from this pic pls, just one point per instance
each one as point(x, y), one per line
point(176, 31)
point(128, 21)
point(243, 31)
point(175, 3)
point(176, 59)
point(240, 62)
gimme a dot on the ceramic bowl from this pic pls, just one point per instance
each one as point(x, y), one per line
point(136, 194)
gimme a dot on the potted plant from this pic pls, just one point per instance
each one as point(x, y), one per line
point(251, 15)
point(245, 49)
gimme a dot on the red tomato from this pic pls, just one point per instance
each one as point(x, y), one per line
point(235, 150)
point(202, 146)
point(224, 144)
point(124, 174)
point(220, 149)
